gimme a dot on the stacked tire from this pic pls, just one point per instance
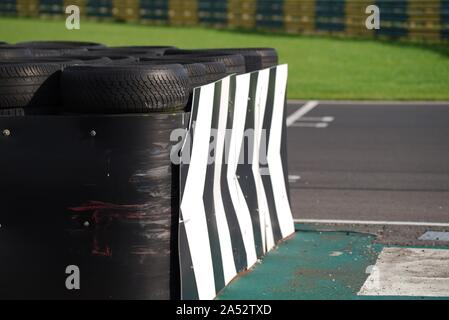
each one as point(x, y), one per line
point(125, 88)
point(31, 85)
point(57, 77)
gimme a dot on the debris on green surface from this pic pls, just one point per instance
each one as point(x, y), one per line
point(311, 265)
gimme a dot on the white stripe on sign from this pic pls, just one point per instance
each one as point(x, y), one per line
point(259, 114)
point(371, 222)
point(237, 196)
point(192, 205)
point(409, 272)
point(274, 155)
point(309, 106)
point(224, 236)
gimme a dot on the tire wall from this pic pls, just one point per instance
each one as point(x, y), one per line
point(89, 181)
point(422, 20)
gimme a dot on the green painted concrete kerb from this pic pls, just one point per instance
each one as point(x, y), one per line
point(310, 265)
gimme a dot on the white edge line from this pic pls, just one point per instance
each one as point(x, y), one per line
point(317, 119)
point(373, 102)
point(368, 222)
point(301, 112)
point(319, 125)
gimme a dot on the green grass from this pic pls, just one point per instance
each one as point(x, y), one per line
point(320, 68)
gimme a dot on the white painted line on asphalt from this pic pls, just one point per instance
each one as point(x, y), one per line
point(309, 106)
point(320, 125)
point(435, 236)
point(370, 222)
point(409, 272)
point(374, 102)
point(317, 119)
point(293, 178)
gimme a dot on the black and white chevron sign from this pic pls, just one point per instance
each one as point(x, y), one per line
point(234, 194)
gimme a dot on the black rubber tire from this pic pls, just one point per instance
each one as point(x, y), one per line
point(113, 89)
point(30, 84)
point(122, 59)
point(21, 112)
point(90, 59)
point(114, 57)
point(197, 73)
point(235, 63)
point(8, 52)
point(108, 52)
point(55, 52)
point(255, 58)
point(3, 43)
point(197, 77)
point(60, 45)
point(208, 72)
point(16, 112)
point(215, 71)
point(61, 61)
point(156, 50)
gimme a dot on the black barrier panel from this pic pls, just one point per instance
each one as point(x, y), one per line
point(444, 16)
point(99, 8)
point(97, 193)
point(213, 11)
point(330, 15)
point(51, 7)
point(270, 13)
point(393, 15)
point(8, 8)
point(154, 10)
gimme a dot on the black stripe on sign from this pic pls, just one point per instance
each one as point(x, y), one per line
point(189, 290)
point(208, 197)
point(266, 179)
point(186, 151)
point(194, 111)
point(238, 247)
point(245, 170)
point(284, 153)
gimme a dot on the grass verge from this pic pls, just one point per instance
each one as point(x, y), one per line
point(319, 68)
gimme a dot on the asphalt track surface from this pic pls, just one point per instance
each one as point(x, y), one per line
point(374, 168)
point(370, 161)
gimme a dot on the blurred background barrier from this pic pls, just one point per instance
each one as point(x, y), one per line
point(422, 20)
